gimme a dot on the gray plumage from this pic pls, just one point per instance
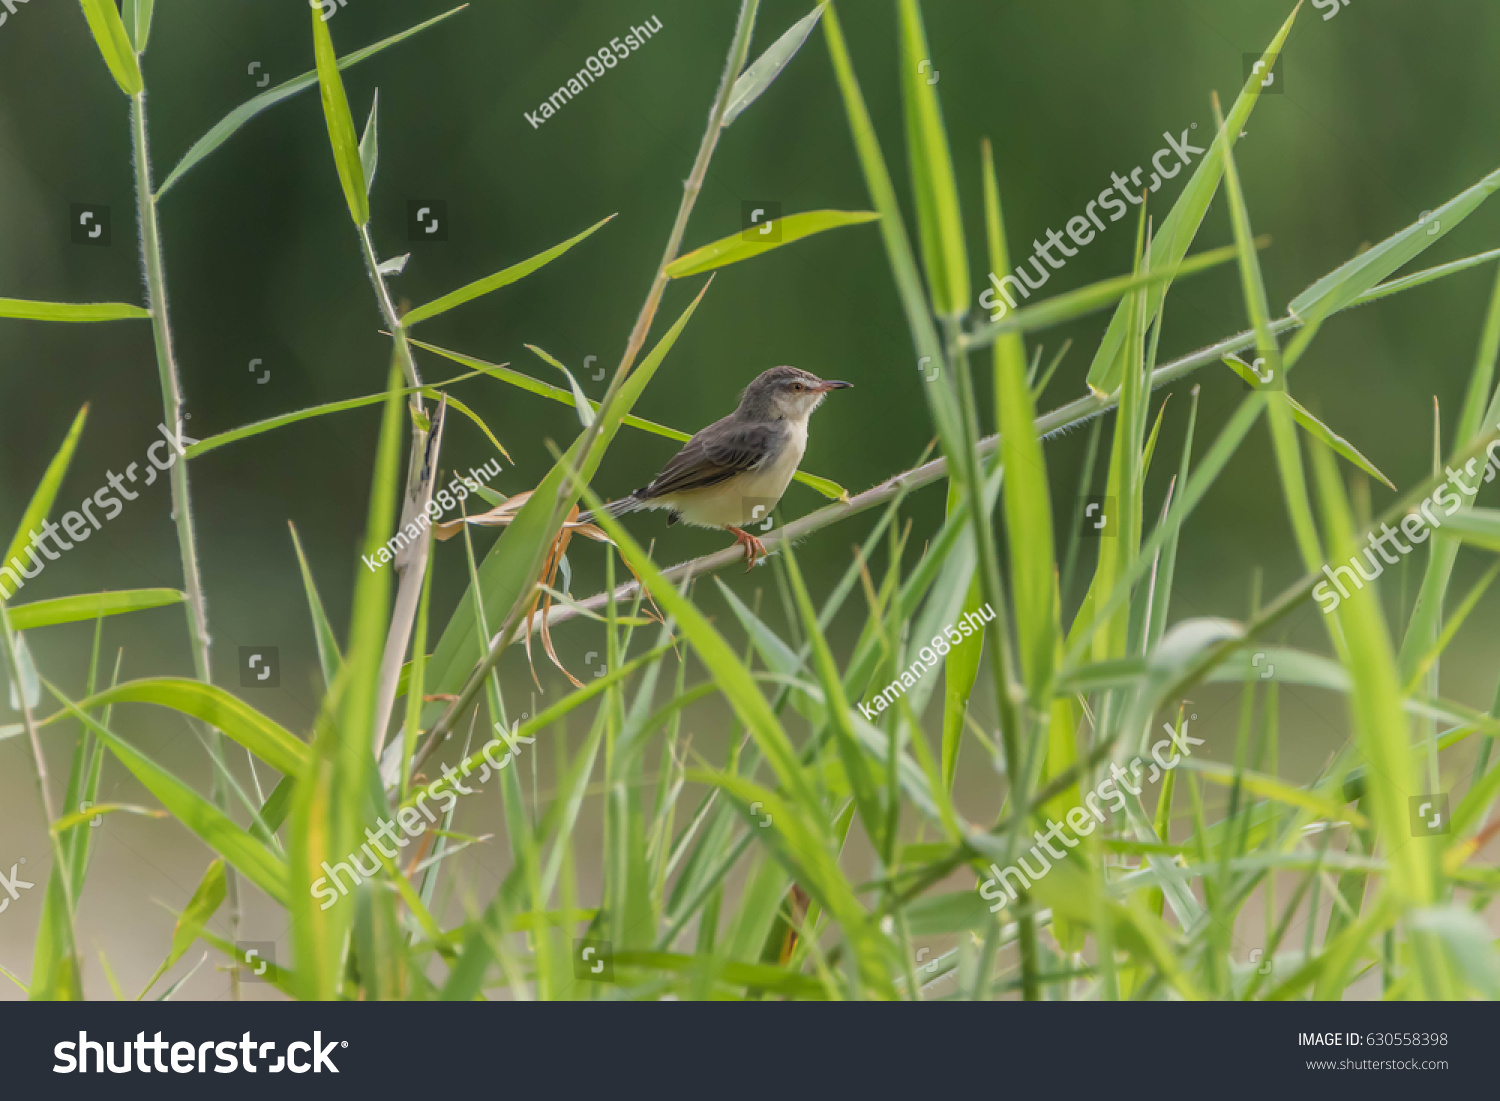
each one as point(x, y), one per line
point(751, 453)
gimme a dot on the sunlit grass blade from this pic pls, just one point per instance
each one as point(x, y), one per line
point(268, 740)
point(1381, 728)
point(114, 43)
point(1025, 494)
point(770, 235)
point(740, 689)
point(340, 787)
point(46, 491)
point(939, 219)
point(504, 278)
point(71, 311)
point(71, 609)
point(340, 123)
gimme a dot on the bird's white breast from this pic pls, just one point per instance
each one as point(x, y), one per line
point(735, 503)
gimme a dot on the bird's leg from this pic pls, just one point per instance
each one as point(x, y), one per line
point(754, 548)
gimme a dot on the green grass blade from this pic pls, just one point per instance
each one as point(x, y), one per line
point(1181, 224)
point(939, 219)
point(504, 278)
point(1381, 729)
point(749, 243)
point(114, 43)
point(454, 403)
point(340, 123)
point(268, 740)
point(739, 687)
point(246, 431)
point(330, 660)
point(200, 908)
point(55, 969)
point(758, 76)
point(866, 798)
point(248, 855)
point(369, 145)
point(46, 492)
point(581, 403)
point(1479, 526)
point(71, 609)
point(941, 400)
point(1071, 305)
point(1316, 428)
point(1279, 413)
point(70, 311)
point(230, 123)
point(1344, 284)
point(1025, 495)
point(1422, 627)
point(136, 15)
point(340, 788)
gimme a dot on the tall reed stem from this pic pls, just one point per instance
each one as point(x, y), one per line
point(176, 421)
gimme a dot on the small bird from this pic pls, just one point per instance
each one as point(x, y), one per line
point(735, 470)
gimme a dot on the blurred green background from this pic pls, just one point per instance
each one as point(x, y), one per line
point(1384, 111)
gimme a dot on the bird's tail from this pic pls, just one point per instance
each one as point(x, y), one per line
point(613, 508)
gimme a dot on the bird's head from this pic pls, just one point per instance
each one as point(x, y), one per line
point(786, 393)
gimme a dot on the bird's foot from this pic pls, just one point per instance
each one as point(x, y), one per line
point(755, 550)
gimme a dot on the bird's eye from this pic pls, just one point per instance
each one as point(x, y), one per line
point(797, 388)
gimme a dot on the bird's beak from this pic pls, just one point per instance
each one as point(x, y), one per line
point(835, 385)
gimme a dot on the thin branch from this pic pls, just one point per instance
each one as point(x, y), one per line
point(1067, 416)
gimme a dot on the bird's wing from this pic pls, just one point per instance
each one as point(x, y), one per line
point(714, 455)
